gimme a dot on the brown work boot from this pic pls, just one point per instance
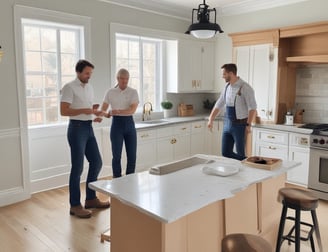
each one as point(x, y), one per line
point(96, 203)
point(80, 212)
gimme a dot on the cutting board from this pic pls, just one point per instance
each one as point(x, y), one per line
point(265, 163)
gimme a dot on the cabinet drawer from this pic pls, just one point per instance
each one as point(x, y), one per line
point(181, 128)
point(272, 137)
point(272, 150)
point(198, 127)
point(165, 131)
point(143, 135)
point(299, 140)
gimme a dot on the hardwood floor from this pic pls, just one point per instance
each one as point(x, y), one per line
point(43, 223)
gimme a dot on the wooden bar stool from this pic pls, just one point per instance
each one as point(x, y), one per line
point(299, 200)
point(244, 243)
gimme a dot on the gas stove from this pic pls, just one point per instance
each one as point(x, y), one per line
point(319, 136)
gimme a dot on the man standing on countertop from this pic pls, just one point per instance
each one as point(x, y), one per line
point(239, 101)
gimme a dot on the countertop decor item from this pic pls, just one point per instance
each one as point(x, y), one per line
point(166, 106)
point(207, 104)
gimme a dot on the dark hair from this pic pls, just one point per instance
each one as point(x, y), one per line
point(231, 67)
point(81, 64)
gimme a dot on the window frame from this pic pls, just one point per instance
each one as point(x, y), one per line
point(147, 33)
point(31, 13)
point(158, 43)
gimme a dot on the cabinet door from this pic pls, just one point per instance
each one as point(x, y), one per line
point(242, 60)
point(208, 69)
point(190, 66)
point(299, 174)
point(259, 77)
point(214, 138)
point(257, 65)
point(181, 146)
point(198, 138)
point(146, 149)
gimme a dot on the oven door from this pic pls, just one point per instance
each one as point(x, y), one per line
point(318, 170)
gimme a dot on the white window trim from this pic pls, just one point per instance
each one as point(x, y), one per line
point(21, 12)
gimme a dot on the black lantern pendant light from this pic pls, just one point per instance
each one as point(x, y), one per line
point(204, 28)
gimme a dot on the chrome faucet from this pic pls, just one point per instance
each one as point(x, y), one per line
point(147, 108)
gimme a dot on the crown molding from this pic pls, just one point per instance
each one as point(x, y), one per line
point(183, 10)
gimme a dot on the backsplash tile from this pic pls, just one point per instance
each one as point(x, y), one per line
point(312, 92)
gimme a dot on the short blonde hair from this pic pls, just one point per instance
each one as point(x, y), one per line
point(123, 72)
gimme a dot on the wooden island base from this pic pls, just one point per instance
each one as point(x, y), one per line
point(254, 210)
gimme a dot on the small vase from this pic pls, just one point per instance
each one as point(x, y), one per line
point(166, 113)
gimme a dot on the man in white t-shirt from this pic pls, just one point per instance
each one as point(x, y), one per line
point(123, 101)
point(77, 103)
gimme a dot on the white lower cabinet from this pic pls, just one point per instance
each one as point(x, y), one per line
point(270, 143)
point(197, 145)
point(146, 149)
point(286, 146)
point(214, 138)
point(173, 142)
point(299, 151)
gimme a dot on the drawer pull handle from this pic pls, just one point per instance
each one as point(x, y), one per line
point(272, 148)
point(271, 137)
point(144, 135)
point(197, 127)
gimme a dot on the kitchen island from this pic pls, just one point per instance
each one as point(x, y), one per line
point(188, 210)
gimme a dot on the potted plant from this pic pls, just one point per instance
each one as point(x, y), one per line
point(166, 106)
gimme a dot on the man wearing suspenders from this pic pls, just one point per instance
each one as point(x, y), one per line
point(238, 98)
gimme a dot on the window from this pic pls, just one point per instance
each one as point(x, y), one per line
point(141, 56)
point(50, 52)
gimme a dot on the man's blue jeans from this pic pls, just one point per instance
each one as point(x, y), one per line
point(123, 130)
point(82, 142)
point(233, 134)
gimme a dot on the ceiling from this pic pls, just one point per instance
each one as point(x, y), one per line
point(183, 8)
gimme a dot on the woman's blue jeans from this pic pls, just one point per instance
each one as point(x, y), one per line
point(233, 134)
point(123, 130)
point(82, 142)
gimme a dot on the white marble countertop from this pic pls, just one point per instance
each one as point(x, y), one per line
point(171, 121)
point(172, 196)
point(295, 128)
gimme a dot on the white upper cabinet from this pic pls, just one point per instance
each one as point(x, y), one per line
point(257, 65)
point(190, 66)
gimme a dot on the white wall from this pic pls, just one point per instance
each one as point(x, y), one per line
point(14, 157)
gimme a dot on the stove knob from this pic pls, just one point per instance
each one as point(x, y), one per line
point(322, 141)
point(315, 140)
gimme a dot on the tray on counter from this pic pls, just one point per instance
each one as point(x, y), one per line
point(266, 163)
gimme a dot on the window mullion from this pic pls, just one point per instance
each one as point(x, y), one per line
point(141, 68)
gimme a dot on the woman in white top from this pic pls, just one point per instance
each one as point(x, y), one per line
point(123, 102)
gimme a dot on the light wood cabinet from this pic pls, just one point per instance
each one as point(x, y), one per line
point(190, 66)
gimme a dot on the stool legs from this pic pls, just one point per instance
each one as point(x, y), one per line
point(297, 230)
point(316, 229)
point(281, 228)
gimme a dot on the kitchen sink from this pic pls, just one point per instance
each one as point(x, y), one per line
point(158, 121)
